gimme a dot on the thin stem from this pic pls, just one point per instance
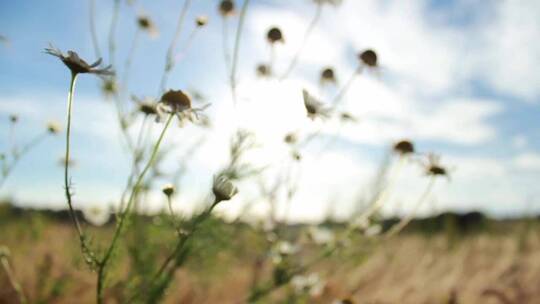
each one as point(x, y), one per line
point(225, 40)
point(183, 238)
point(8, 167)
point(382, 196)
point(67, 184)
point(307, 34)
point(346, 87)
point(129, 59)
point(169, 58)
point(123, 216)
point(241, 19)
point(92, 15)
point(112, 31)
point(11, 278)
point(407, 219)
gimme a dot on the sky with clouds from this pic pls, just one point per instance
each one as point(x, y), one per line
point(459, 78)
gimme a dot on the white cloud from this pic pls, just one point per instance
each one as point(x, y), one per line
point(529, 161)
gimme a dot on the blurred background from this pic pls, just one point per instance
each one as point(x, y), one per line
point(459, 78)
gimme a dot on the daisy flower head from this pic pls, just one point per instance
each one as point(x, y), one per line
point(78, 65)
point(314, 107)
point(178, 103)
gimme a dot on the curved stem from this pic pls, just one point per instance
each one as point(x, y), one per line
point(346, 87)
point(381, 197)
point(176, 253)
point(67, 158)
point(123, 216)
point(129, 59)
point(225, 40)
point(12, 281)
point(112, 31)
point(307, 34)
point(92, 15)
point(241, 20)
point(407, 219)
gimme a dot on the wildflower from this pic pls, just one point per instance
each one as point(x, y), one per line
point(77, 65)
point(53, 127)
point(310, 284)
point(264, 70)
point(226, 8)
point(434, 168)
point(314, 107)
point(347, 117)
point(369, 58)
point(274, 35)
point(320, 235)
point(296, 155)
point(373, 230)
point(404, 147)
point(290, 138)
point(168, 190)
point(146, 106)
point(328, 76)
point(223, 188)
point(179, 104)
point(201, 21)
point(96, 216)
point(109, 87)
point(13, 118)
point(147, 25)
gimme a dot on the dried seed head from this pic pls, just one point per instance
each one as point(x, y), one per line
point(314, 107)
point(147, 108)
point(109, 87)
point(434, 168)
point(168, 190)
point(263, 70)
point(328, 76)
point(201, 21)
point(404, 147)
point(369, 58)
point(290, 138)
point(296, 155)
point(223, 189)
point(76, 64)
point(53, 127)
point(13, 118)
point(347, 117)
point(274, 35)
point(177, 101)
point(146, 24)
point(226, 8)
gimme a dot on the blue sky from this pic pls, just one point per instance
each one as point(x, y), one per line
point(460, 78)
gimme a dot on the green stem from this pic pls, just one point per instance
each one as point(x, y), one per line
point(407, 219)
point(346, 87)
point(236, 49)
point(112, 30)
point(122, 220)
point(176, 253)
point(67, 185)
point(310, 28)
point(92, 16)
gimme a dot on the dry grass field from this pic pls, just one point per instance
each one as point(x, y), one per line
point(498, 264)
